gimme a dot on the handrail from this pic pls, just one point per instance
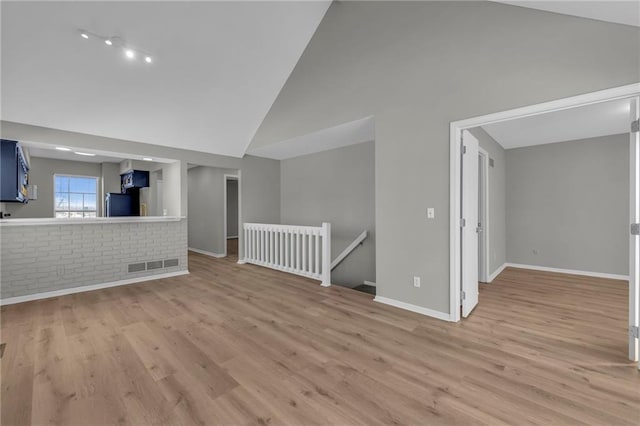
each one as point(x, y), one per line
point(301, 250)
point(351, 247)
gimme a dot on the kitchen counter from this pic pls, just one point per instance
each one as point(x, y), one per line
point(87, 221)
point(47, 257)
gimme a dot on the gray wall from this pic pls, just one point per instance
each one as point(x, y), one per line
point(497, 203)
point(232, 208)
point(568, 205)
point(41, 174)
point(206, 208)
point(335, 186)
point(417, 66)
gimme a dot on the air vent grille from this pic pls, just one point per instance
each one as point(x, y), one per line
point(170, 262)
point(156, 264)
point(136, 267)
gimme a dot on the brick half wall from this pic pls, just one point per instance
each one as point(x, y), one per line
point(43, 258)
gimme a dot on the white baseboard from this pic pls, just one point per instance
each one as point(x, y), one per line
point(66, 291)
point(569, 271)
point(371, 283)
point(235, 237)
point(497, 272)
point(413, 308)
point(207, 253)
point(241, 261)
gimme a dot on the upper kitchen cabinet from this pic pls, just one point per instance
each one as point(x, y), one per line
point(134, 179)
point(14, 173)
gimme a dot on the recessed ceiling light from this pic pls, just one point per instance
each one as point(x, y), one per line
point(147, 159)
point(86, 154)
point(147, 59)
point(84, 35)
point(130, 53)
point(62, 148)
point(108, 42)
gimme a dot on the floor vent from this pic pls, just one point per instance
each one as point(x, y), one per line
point(156, 264)
point(170, 262)
point(136, 267)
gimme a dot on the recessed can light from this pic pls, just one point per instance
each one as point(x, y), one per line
point(130, 53)
point(62, 148)
point(84, 35)
point(147, 59)
point(108, 42)
point(86, 154)
point(147, 159)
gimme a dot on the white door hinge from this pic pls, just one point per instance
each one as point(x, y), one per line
point(635, 229)
point(463, 295)
point(463, 223)
point(464, 149)
point(635, 126)
point(634, 331)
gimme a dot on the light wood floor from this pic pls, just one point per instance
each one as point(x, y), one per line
point(233, 344)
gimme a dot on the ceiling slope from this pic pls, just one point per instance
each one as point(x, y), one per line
point(218, 67)
point(620, 12)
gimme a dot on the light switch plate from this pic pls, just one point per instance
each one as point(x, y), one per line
point(431, 213)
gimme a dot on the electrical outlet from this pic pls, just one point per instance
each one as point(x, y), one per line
point(416, 281)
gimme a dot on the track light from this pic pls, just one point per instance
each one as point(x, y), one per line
point(129, 52)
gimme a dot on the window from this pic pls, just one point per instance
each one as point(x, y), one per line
point(75, 196)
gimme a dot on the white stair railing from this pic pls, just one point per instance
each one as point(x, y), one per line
point(301, 250)
point(351, 247)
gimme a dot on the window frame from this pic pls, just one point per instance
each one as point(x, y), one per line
point(69, 175)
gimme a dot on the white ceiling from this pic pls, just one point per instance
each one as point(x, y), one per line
point(346, 134)
point(602, 119)
point(218, 67)
point(621, 12)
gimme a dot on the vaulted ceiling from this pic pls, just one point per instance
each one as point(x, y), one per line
point(217, 68)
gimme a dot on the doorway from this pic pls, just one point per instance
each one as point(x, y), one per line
point(231, 214)
point(465, 248)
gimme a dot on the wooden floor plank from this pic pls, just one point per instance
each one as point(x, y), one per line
point(244, 345)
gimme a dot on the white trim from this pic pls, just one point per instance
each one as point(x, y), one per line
point(241, 262)
point(73, 290)
point(207, 253)
point(568, 271)
point(455, 132)
point(371, 283)
point(497, 272)
point(228, 177)
point(233, 237)
point(413, 308)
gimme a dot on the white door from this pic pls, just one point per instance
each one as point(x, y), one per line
point(469, 223)
point(634, 246)
point(482, 235)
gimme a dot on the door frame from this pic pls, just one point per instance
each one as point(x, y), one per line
point(455, 192)
point(228, 177)
point(484, 201)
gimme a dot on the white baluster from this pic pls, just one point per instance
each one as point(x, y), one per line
point(326, 254)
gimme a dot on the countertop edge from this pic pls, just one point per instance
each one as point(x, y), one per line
point(90, 221)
